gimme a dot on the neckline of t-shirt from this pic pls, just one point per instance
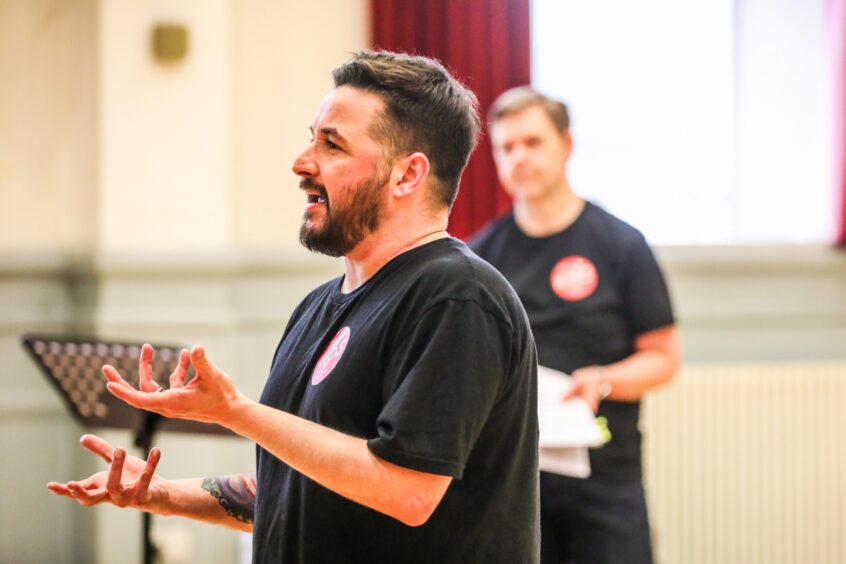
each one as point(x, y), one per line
point(388, 267)
point(576, 221)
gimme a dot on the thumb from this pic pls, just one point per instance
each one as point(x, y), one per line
point(575, 390)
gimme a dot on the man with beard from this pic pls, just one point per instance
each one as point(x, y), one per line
point(398, 422)
point(600, 311)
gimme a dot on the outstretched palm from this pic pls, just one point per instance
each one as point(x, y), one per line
point(128, 482)
point(209, 397)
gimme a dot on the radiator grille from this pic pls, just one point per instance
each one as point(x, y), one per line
point(746, 463)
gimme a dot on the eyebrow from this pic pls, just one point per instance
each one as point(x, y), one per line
point(329, 131)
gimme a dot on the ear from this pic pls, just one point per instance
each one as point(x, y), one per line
point(568, 142)
point(413, 171)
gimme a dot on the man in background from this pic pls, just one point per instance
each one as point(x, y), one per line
point(599, 310)
point(398, 422)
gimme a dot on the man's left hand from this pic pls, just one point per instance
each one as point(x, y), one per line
point(209, 397)
point(586, 382)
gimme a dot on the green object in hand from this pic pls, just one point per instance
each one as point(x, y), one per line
point(602, 423)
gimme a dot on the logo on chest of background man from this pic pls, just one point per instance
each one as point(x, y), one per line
point(331, 356)
point(573, 278)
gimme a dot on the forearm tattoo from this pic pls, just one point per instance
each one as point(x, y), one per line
point(236, 495)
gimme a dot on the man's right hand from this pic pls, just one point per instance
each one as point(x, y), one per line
point(128, 481)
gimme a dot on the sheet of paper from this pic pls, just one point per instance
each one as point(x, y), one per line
point(562, 423)
point(567, 428)
point(566, 461)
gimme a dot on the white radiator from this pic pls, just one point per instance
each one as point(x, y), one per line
point(746, 464)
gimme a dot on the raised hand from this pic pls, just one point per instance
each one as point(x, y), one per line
point(209, 397)
point(128, 481)
point(145, 370)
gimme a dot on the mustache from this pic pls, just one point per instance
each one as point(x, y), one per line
point(310, 184)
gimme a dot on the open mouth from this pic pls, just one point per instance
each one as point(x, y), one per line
point(315, 194)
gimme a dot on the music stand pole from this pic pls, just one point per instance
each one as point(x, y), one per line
point(144, 441)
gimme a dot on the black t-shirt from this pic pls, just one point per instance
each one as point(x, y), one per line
point(432, 361)
point(589, 291)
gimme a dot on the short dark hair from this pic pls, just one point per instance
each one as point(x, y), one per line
point(426, 110)
point(518, 99)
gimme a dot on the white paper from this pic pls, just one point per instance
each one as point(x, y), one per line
point(567, 428)
point(573, 461)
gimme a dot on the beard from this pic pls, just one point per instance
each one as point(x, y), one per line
point(345, 224)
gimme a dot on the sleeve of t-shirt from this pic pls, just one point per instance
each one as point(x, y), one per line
point(444, 379)
point(644, 289)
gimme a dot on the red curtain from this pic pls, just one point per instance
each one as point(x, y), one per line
point(837, 31)
point(484, 43)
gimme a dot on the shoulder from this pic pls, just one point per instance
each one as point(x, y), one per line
point(631, 254)
point(600, 218)
point(617, 235)
point(456, 270)
point(482, 240)
point(453, 272)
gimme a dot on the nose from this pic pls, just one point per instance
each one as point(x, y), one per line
point(518, 155)
point(305, 165)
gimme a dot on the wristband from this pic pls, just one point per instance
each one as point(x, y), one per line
point(603, 388)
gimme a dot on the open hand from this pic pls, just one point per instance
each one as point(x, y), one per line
point(128, 482)
point(209, 397)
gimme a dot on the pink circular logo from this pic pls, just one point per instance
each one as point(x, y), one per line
point(573, 278)
point(331, 356)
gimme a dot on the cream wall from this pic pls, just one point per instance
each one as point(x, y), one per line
point(48, 124)
point(282, 56)
point(103, 148)
point(164, 162)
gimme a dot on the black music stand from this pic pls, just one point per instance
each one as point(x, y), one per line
point(73, 366)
